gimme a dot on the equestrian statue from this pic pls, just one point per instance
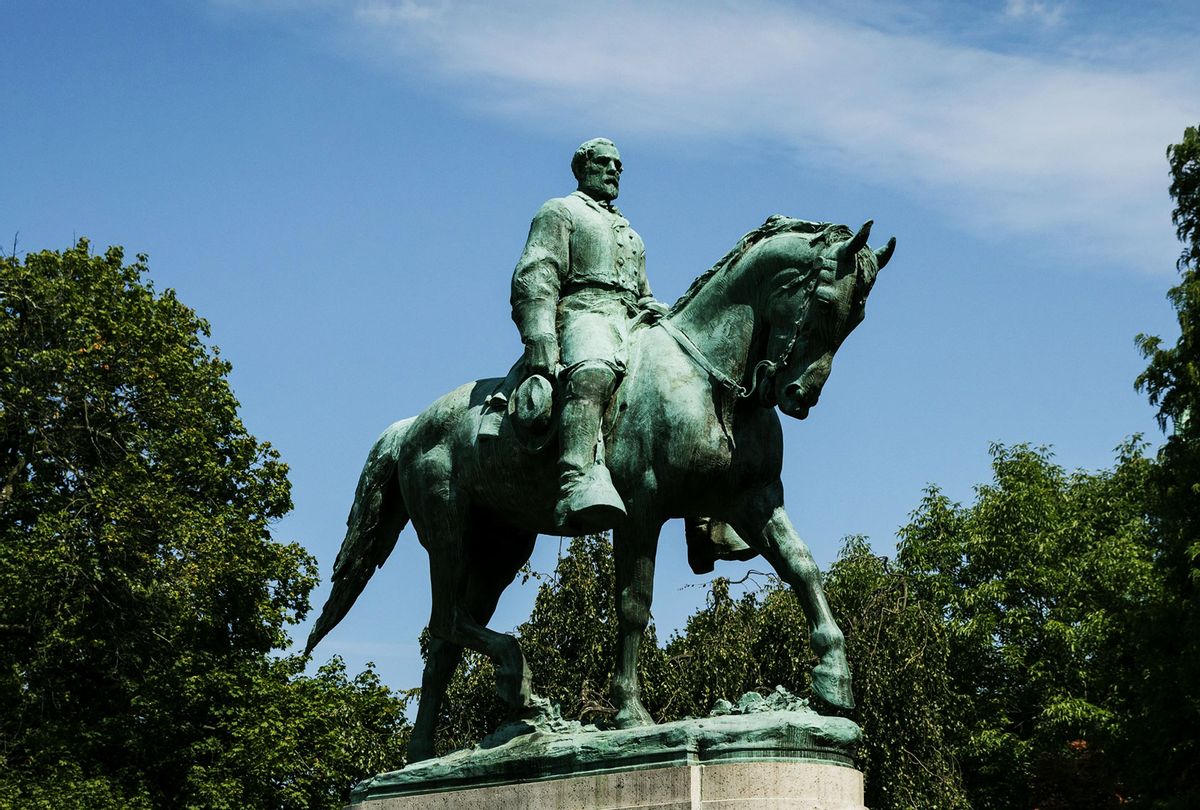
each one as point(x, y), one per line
point(621, 414)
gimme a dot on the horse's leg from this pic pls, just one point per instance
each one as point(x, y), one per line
point(763, 523)
point(447, 584)
point(494, 559)
point(634, 547)
point(466, 582)
point(442, 658)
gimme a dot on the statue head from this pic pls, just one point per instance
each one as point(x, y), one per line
point(597, 167)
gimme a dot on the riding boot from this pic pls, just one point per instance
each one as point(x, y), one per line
point(587, 500)
point(710, 540)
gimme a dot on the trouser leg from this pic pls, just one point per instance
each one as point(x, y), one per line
point(588, 501)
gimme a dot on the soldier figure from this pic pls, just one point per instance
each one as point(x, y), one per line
point(579, 285)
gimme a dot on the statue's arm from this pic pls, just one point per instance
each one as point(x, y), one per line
point(536, 282)
point(646, 299)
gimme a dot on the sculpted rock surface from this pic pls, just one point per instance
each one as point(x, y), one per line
point(778, 727)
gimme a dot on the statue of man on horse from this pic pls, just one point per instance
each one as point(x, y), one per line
point(692, 432)
point(578, 288)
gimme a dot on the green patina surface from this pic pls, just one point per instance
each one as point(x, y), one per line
point(777, 727)
point(660, 414)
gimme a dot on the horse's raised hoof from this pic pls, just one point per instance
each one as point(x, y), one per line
point(831, 683)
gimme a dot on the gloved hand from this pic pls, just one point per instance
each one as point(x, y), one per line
point(657, 308)
point(541, 355)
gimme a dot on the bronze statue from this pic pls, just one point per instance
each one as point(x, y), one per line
point(576, 292)
point(691, 432)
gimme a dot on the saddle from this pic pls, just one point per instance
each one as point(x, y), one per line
point(527, 407)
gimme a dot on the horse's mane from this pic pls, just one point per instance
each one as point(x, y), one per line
point(775, 224)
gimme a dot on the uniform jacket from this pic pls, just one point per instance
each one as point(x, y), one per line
point(575, 243)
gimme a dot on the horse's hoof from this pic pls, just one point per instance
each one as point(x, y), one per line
point(633, 716)
point(535, 711)
point(831, 683)
point(418, 751)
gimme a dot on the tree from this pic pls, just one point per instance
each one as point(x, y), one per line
point(1167, 723)
point(141, 593)
point(899, 647)
point(712, 657)
point(1040, 583)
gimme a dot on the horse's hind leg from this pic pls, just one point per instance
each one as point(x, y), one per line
point(762, 522)
point(464, 599)
point(442, 658)
point(496, 555)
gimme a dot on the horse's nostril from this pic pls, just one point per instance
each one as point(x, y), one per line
point(792, 391)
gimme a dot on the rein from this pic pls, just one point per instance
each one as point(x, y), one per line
point(763, 370)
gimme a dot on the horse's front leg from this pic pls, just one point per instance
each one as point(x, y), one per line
point(763, 523)
point(634, 548)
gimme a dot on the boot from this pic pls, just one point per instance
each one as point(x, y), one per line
point(710, 540)
point(587, 500)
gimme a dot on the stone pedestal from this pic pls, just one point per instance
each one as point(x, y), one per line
point(735, 786)
point(765, 753)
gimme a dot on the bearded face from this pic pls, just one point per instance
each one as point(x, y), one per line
point(600, 175)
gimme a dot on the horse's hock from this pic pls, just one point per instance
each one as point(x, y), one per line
point(771, 752)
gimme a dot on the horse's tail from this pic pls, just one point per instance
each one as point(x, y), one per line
point(375, 521)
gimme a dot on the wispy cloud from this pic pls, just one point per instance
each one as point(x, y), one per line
point(1048, 14)
point(1029, 142)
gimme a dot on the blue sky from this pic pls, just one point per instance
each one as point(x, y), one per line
point(342, 188)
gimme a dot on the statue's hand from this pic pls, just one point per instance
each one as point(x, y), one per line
point(541, 355)
point(657, 308)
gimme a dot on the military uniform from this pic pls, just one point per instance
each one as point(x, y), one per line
point(581, 277)
point(580, 283)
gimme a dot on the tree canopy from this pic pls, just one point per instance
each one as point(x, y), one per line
point(141, 593)
point(1169, 680)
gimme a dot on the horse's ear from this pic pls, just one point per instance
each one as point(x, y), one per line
point(884, 254)
point(850, 248)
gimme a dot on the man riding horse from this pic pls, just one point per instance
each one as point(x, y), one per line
point(579, 285)
point(698, 433)
point(576, 292)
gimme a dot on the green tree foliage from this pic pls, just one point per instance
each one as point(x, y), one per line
point(1169, 676)
point(1039, 582)
point(141, 593)
point(899, 649)
point(712, 657)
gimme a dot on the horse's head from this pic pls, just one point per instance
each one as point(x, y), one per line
point(817, 304)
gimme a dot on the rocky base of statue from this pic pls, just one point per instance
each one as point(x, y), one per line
point(773, 752)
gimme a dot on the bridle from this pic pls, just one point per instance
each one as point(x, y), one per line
point(763, 370)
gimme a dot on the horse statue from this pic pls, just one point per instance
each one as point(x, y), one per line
point(692, 432)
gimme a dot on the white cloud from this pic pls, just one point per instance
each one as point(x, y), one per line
point(1026, 143)
point(382, 12)
point(1048, 14)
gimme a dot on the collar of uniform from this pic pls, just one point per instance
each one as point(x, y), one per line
point(607, 208)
